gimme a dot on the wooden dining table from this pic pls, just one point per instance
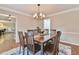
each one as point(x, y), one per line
point(42, 39)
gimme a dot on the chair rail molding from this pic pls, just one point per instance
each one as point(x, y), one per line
point(70, 33)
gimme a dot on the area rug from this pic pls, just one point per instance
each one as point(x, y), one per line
point(63, 50)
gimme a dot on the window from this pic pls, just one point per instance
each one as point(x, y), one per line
point(46, 24)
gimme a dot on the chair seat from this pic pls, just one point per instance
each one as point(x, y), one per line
point(49, 48)
point(37, 48)
point(25, 45)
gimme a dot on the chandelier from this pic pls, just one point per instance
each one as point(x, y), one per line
point(39, 15)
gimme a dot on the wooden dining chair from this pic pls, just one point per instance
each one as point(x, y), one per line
point(22, 40)
point(53, 31)
point(46, 31)
point(34, 31)
point(57, 42)
point(31, 46)
point(53, 48)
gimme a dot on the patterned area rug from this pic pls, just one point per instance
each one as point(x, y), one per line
point(63, 50)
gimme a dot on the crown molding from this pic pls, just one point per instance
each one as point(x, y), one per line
point(22, 13)
point(15, 11)
point(65, 11)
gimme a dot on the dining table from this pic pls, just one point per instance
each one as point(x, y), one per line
point(41, 39)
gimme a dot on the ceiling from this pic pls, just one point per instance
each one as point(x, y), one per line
point(44, 8)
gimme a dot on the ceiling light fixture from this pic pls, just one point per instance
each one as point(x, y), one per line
point(9, 17)
point(6, 15)
point(39, 15)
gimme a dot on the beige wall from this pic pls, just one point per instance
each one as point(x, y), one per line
point(67, 22)
point(23, 23)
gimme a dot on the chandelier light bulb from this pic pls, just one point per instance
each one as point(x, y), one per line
point(39, 15)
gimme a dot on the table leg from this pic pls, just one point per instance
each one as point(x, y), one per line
point(42, 52)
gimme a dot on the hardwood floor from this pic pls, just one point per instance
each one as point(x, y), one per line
point(7, 42)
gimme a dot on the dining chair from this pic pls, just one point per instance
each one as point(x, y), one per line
point(58, 41)
point(46, 31)
point(32, 47)
point(53, 31)
point(34, 31)
point(22, 40)
point(53, 48)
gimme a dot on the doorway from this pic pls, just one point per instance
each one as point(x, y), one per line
point(7, 33)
